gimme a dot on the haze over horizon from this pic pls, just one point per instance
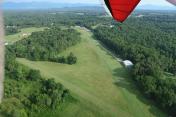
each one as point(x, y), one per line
point(143, 2)
point(47, 4)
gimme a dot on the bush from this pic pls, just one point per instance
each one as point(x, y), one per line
point(12, 107)
point(71, 59)
point(34, 75)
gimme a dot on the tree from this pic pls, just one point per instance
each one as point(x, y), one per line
point(71, 59)
point(34, 75)
point(12, 107)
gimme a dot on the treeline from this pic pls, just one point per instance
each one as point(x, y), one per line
point(153, 53)
point(70, 59)
point(9, 30)
point(27, 93)
point(46, 18)
point(46, 45)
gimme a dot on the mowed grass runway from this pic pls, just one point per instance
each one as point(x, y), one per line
point(22, 34)
point(98, 81)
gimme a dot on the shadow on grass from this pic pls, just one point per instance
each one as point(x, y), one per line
point(104, 48)
point(125, 81)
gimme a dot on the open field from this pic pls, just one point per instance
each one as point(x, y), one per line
point(24, 33)
point(98, 81)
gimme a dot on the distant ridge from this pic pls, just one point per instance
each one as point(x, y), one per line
point(155, 7)
point(41, 5)
point(51, 5)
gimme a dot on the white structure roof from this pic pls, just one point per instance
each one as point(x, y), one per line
point(127, 63)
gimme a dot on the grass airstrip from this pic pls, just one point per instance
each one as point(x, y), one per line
point(101, 85)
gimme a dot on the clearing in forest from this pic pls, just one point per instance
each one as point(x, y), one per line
point(102, 86)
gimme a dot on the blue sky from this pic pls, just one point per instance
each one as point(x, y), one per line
point(143, 2)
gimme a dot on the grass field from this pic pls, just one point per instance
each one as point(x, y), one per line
point(98, 81)
point(24, 32)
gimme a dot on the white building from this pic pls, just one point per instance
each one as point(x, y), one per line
point(111, 26)
point(6, 44)
point(127, 63)
point(24, 34)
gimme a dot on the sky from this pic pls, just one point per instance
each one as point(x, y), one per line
point(143, 2)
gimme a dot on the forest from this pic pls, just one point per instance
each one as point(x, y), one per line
point(47, 18)
point(24, 102)
point(9, 30)
point(151, 46)
point(46, 45)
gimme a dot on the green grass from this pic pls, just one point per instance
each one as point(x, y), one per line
point(98, 81)
point(18, 36)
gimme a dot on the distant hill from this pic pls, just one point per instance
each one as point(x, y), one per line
point(41, 5)
point(51, 5)
point(155, 7)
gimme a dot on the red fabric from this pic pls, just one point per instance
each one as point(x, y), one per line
point(121, 9)
point(172, 1)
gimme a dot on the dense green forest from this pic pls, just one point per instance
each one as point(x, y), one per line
point(9, 30)
point(48, 18)
point(46, 45)
point(26, 92)
point(150, 43)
